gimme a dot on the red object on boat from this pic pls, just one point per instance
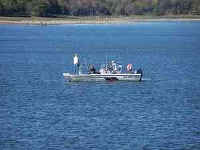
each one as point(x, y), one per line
point(129, 67)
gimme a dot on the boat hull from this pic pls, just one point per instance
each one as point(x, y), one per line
point(103, 77)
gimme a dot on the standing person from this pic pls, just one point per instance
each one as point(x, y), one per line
point(76, 64)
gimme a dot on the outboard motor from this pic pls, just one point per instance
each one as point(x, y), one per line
point(139, 71)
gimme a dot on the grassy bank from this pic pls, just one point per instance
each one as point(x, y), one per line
point(94, 19)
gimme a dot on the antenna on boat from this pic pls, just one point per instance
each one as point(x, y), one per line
point(106, 61)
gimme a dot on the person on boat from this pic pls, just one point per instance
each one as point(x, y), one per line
point(92, 70)
point(129, 67)
point(76, 64)
point(114, 66)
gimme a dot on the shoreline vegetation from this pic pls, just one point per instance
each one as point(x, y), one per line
point(95, 19)
point(97, 11)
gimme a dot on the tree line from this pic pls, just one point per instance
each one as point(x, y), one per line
point(50, 8)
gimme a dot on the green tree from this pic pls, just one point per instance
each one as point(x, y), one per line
point(97, 7)
point(40, 8)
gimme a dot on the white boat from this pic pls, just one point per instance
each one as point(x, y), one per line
point(109, 72)
point(103, 77)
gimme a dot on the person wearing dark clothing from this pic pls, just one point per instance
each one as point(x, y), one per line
point(92, 70)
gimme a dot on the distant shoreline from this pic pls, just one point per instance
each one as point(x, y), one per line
point(94, 20)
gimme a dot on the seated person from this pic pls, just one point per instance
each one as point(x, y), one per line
point(92, 70)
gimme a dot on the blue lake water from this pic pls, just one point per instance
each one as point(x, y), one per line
point(40, 110)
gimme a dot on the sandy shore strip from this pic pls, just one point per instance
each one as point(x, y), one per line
point(57, 21)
